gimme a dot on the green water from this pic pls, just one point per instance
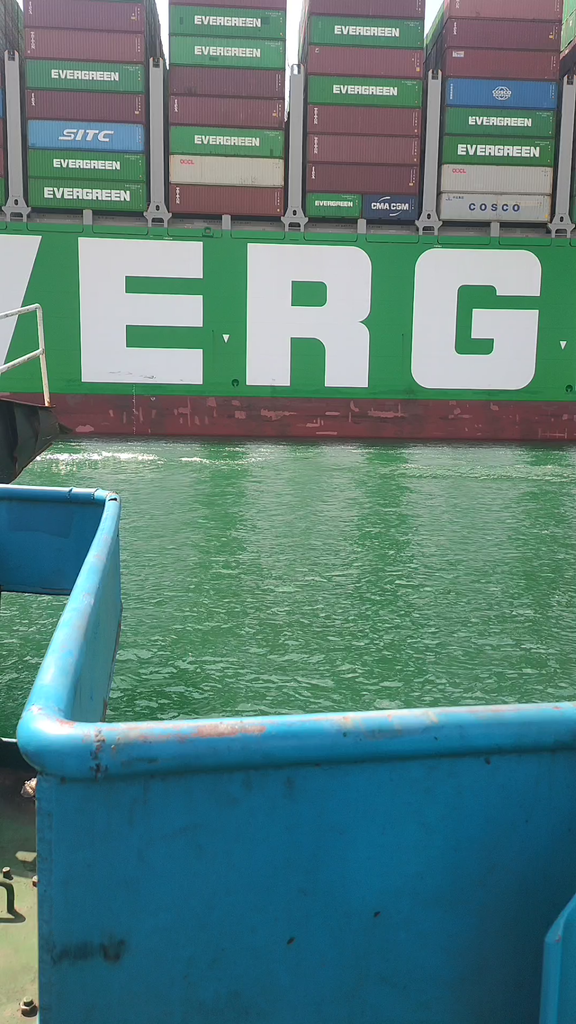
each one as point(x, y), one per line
point(278, 578)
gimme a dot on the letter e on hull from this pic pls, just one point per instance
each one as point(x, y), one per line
point(107, 310)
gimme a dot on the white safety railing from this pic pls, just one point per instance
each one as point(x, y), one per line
point(39, 353)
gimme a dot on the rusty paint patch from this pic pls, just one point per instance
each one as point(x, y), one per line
point(221, 730)
point(414, 419)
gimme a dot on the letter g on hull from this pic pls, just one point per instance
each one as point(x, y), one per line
point(440, 273)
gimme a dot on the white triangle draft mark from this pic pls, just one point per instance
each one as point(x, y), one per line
point(226, 336)
point(563, 343)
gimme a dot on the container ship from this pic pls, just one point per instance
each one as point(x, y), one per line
point(375, 244)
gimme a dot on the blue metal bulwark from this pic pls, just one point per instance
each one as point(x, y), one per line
point(397, 867)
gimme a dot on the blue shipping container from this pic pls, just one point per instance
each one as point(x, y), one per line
point(479, 92)
point(110, 138)
point(2, 111)
point(390, 208)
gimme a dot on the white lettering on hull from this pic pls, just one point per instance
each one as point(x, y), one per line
point(107, 310)
point(440, 273)
point(272, 320)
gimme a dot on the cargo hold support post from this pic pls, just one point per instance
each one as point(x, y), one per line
point(294, 216)
point(561, 225)
point(429, 223)
point(16, 207)
point(157, 213)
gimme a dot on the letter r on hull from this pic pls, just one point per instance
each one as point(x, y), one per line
point(273, 321)
point(440, 273)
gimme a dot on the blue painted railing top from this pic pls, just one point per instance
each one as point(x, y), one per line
point(68, 541)
point(65, 541)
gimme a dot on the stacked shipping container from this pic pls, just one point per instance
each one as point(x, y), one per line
point(568, 28)
point(501, 63)
point(365, 64)
point(86, 80)
point(11, 38)
point(227, 137)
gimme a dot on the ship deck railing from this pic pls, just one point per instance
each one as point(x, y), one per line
point(39, 353)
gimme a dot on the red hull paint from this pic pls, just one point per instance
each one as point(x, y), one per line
point(313, 418)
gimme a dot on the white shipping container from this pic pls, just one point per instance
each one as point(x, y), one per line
point(495, 180)
point(474, 206)
point(226, 170)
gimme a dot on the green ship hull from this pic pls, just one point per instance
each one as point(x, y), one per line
point(257, 333)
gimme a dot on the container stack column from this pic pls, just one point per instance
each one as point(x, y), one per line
point(227, 132)
point(365, 64)
point(568, 39)
point(501, 72)
point(568, 67)
point(11, 38)
point(86, 85)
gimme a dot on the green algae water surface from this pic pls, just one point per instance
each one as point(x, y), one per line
point(281, 578)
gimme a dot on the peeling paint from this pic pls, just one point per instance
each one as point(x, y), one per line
point(245, 417)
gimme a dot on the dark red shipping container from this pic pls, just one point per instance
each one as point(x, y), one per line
point(533, 66)
point(369, 8)
point(361, 178)
point(365, 62)
point(530, 10)
point(233, 82)
point(364, 120)
point(95, 15)
point(2, 160)
point(85, 106)
point(219, 112)
point(502, 35)
point(363, 149)
point(54, 44)
point(214, 200)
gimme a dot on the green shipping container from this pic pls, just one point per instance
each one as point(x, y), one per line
point(327, 205)
point(2, 191)
point(47, 163)
point(501, 152)
point(568, 31)
point(227, 142)
point(351, 31)
point(85, 76)
point(364, 92)
point(217, 21)
point(227, 53)
point(56, 193)
point(534, 124)
point(569, 8)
